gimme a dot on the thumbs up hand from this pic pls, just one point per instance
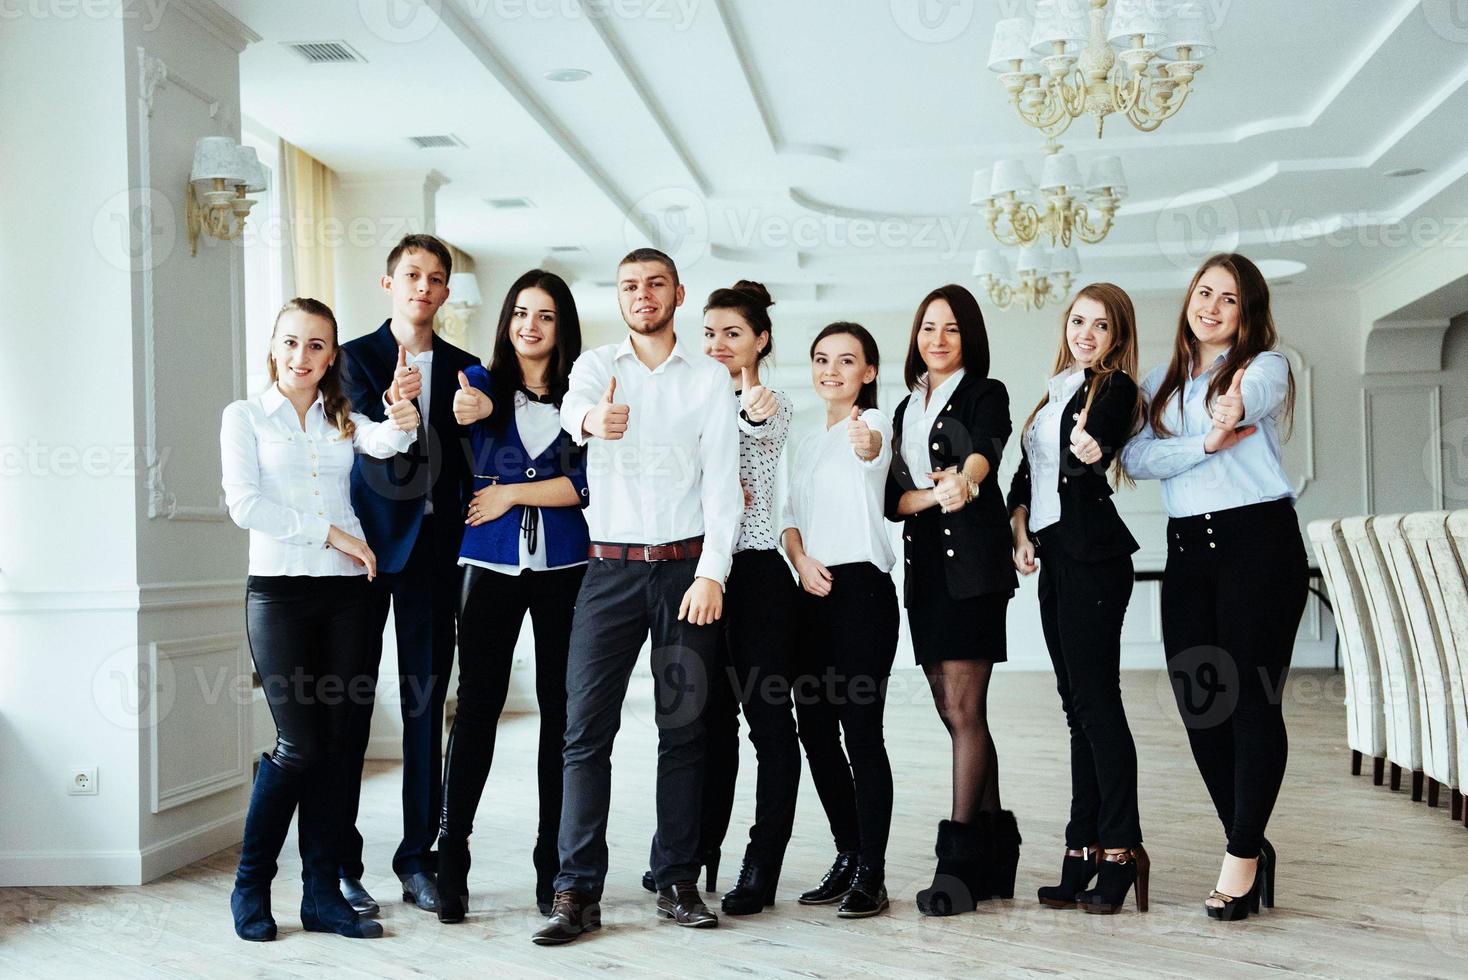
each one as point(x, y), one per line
point(470, 404)
point(607, 419)
point(759, 403)
point(864, 442)
point(1082, 446)
point(407, 382)
point(1228, 408)
point(403, 414)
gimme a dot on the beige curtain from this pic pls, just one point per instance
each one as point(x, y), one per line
point(310, 212)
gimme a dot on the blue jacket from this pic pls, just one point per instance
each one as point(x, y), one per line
point(499, 456)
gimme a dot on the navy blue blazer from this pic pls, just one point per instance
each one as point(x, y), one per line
point(388, 494)
point(499, 456)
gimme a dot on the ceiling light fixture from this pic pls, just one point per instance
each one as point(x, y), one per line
point(1006, 191)
point(1405, 172)
point(567, 75)
point(1039, 275)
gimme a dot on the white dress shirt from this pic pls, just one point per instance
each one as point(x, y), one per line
point(835, 498)
point(288, 487)
point(674, 474)
point(1042, 446)
point(917, 421)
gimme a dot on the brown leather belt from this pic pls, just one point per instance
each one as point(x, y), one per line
point(673, 551)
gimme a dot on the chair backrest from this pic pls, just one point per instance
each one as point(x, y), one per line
point(1365, 723)
point(1398, 671)
point(1446, 589)
point(1433, 688)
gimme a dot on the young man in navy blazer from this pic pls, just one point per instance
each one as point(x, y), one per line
point(412, 509)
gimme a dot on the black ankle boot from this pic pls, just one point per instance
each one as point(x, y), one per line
point(272, 804)
point(868, 895)
point(1076, 872)
point(1119, 872)
point(1001, 854)
point(453, 877)
point(959, 874)
point(754, 889)
point(835, 884)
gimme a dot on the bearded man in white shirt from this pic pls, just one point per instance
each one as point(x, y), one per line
point(665, 503)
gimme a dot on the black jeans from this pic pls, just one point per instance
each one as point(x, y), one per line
point(1082, 605)
point(493, 606)
point(753, 669)
point(621, 604)
point(847, 642)
point(1232, 597)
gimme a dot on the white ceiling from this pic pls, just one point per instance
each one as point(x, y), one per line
point(827, 147)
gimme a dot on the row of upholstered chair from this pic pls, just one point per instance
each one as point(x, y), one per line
point(1399, 591)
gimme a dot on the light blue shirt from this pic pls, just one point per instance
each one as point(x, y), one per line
point(1196, 482)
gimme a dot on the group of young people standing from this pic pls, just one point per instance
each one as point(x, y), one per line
point(628, 493)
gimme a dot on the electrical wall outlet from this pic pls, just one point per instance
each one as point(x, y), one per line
point(82, 781)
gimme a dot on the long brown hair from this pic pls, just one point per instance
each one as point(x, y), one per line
point(334, 399)
point(1119, 357)
point(1256, 334)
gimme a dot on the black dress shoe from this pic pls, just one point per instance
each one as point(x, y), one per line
point(754, 889)
point(357, 897)
point(835, 884)
point(421, 889)
point(868, 895)
point(572, 914)
point(682, 903)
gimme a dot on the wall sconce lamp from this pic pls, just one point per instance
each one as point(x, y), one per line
point(223, 173)
point(464, 301)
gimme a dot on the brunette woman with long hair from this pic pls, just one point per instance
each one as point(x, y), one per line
point(1062, 517)
point(1235, 583)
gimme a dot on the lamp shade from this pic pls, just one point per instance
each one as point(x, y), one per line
point(1060, 21)
point(1061, 170)
point(1188, 27)
point(1065, 260)
point(1135, 17)
point(464, 288)
point(1010, 176)
point(1011, 43)
point(217, 156)
point(1033, 258)
point(979, 191)
point(252, 169)
point(1106, 172)
point(991, 262)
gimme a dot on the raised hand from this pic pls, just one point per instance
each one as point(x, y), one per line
point(1228, 408)
point(403, 414)
point(1082, 446)
point(1218, 439)
point(864, 441)
point(407, 382)
point(758, 402)
point(470, 404)
point(354, 548)
point(607, 419)
point(950, 489)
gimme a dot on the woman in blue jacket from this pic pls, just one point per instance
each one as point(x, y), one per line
point(524, 550)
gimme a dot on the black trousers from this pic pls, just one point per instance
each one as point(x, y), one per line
point(847, 642)
point(1232, 596)
point(1082, 605)
point(493, 606)
point(424, 600)
point(621, 604)
point(753, 670)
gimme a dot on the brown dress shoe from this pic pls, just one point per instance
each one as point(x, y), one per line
point(572, 914)
point(682, 903)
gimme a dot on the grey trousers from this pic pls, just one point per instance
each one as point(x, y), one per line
point(620, 605)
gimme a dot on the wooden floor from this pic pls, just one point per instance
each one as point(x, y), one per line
point(1370, 884)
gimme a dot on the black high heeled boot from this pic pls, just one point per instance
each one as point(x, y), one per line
point(272, 804)
point(1118, 873)
point(1002, 854)
point(960, 871)
point(322, 825)
point(453, 877)
point(754, 889)
point(1076, 872)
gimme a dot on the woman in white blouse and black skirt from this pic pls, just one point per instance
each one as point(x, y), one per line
point(943, 485)
point(1062, 516)
point(286, 456)
point(835, 536)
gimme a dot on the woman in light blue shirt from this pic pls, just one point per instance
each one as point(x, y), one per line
point(1235, 583)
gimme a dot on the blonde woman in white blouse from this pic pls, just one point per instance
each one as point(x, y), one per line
point(286, 457)
point(836, 537)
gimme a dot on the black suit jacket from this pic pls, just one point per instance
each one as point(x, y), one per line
point(387, 494)
point(975, 420)
point(1089, 528)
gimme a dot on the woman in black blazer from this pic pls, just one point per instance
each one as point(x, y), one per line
point(947, 438)
point(1062, 515)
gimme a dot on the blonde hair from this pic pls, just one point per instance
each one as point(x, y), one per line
point(334, 400)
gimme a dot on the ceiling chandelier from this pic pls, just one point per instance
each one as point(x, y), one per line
point(1006, 192)
point(1158, 44)
point(1039, 275)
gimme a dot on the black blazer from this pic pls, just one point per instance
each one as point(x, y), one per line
point(975, 420)
point(1089, 528)
point(387, 494)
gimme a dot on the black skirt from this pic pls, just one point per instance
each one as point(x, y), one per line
point(942, 627)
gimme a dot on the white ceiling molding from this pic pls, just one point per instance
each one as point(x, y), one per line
point(218, 22)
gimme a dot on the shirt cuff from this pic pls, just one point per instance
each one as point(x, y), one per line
point(713, 565)
point(318, 529)
point(578, 433)
point(1189, 447)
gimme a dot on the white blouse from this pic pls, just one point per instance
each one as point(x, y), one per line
point(917, 421)
point(760, 445)
point(835, 498)
point(1042, 446)
point(288, 487)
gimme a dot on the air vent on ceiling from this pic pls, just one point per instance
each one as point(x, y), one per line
point(509, 203)
point(605, 283)
point(325, 52)
point(435, 142)
point(566, 248)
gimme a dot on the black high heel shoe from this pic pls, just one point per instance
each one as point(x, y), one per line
point(1237, 907)
point(1268, 863)
point(453, 878)
point(1118, 873)
point(1076, 872)
point(709, 861)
